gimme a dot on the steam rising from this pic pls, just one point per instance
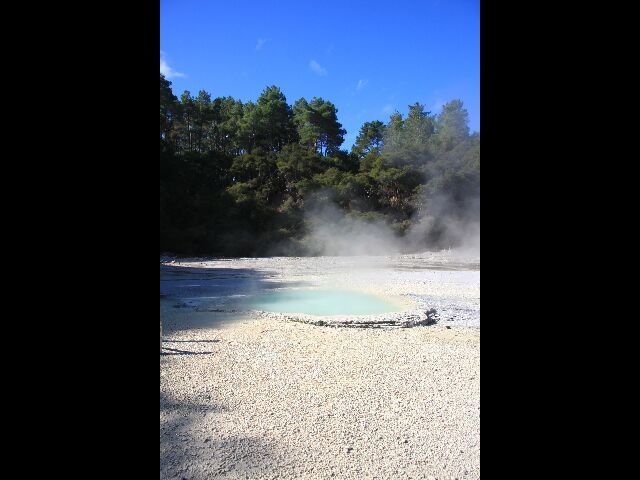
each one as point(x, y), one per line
point(332, 232)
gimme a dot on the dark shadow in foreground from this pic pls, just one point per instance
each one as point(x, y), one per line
point(192, 447)
point(175, 351)
point(190, 341)
point(196, 297)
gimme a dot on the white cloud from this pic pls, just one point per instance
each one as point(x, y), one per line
point(260, 44)
point(316, 68)
point(166, 70)
point(361, 84)
point(436, 107)
point(388, 108)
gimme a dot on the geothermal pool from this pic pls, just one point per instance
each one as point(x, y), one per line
point(233, 376)
point(323, 302)
point(394, 291)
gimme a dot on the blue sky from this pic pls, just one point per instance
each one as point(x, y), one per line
point(367, 57)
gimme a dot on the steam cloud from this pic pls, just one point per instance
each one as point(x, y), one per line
point(332, 232)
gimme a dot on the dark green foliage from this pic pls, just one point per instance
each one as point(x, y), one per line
point(318, 126)
point(237, 179)
point(410, 141)
point(168, 107)
point(369, 139)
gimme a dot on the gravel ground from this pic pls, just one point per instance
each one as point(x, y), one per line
point(249, 396)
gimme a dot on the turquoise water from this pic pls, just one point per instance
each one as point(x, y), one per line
point(323, 302)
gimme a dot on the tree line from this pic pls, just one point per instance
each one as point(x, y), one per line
point(236, 178)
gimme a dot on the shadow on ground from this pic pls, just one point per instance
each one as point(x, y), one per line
point(191, 443)
point(193, 341)
point(190, 447)
point(175, 351)
point(192, 297)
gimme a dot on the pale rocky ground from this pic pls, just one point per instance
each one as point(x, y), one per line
point(249, 396)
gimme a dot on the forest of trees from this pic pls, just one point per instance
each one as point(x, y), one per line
point(236, 178)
